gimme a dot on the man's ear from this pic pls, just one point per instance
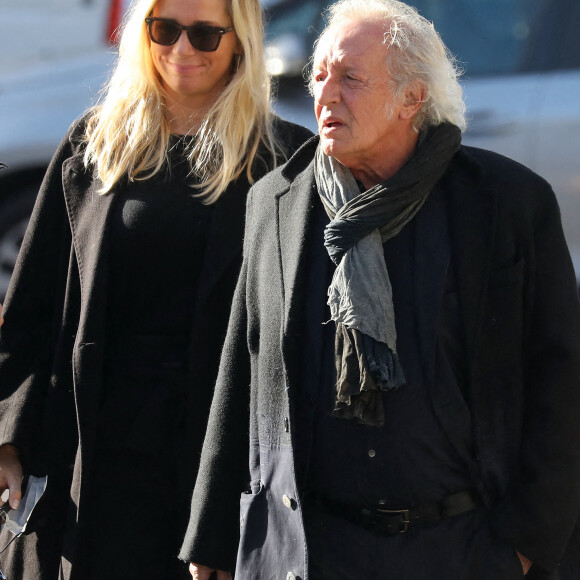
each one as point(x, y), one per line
point(414, 96)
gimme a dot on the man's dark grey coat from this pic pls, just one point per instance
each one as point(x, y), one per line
point(521, 318)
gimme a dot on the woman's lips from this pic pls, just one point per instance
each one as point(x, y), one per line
point(183, 68)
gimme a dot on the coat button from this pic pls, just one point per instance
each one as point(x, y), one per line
point(372, 453)
point(286, 501)
point(290, 576)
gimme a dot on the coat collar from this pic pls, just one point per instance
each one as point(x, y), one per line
point(293, 221)
point(226, 234)
point(301, 159)
point(295, 201)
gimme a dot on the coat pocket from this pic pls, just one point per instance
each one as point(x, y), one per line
point(253, 530)
point(247, 498)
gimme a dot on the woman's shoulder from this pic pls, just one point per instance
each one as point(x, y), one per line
point(76, 134)
point(290, 135)
point(288, 139)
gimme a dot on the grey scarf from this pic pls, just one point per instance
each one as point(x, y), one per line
point(360, 295)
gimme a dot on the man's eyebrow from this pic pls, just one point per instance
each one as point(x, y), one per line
point(320, 64)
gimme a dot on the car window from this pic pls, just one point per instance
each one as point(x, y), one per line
point(554, 43)
point(491, 37)
point(297, 17)
point(488, 37)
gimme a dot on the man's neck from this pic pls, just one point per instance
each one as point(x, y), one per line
point(395, 155)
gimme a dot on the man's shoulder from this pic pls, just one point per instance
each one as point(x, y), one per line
point(498, 170)
point(518, 190)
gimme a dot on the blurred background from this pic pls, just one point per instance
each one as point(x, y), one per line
point(521, 62)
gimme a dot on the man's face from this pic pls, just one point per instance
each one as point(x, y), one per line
point(358, 120)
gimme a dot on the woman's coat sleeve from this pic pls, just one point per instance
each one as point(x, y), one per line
point(32, 313)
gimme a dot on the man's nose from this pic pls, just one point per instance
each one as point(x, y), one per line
point(327, 92)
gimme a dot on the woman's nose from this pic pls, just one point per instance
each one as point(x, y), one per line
point(183, 46)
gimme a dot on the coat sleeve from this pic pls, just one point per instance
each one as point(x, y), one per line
point(213, 532)
point(537, 515)
point(31, 314)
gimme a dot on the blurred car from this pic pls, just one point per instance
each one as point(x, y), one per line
point(521, 62)
point(522, 81)
point(45, 83)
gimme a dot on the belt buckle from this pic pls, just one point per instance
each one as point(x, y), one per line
point(403, 518)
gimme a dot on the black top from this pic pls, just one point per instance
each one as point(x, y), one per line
point(158, 237)
point(159, 232)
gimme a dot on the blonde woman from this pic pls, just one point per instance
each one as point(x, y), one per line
point(119, 302)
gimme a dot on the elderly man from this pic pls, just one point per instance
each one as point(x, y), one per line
point(399, 392)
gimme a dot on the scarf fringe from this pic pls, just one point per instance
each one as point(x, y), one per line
point(365, 369)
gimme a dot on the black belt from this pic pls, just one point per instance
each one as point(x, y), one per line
point(387, 522)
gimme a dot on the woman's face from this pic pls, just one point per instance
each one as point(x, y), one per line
point(192, 78)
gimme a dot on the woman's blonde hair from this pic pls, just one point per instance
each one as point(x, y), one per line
point(415, 53)
point(128, 135)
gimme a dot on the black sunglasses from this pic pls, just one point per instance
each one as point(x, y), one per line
point(202, 37)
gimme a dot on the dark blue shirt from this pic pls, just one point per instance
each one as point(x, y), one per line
point(410, 460)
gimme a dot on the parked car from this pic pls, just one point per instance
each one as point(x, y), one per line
point(45, 83)
point(522, 80)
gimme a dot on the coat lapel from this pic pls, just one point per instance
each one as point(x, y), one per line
point(472, 221)
point(301, 341)
point(432, 257)
point(294, 220)
point(472, 215)
point(461, 208)
point(88, 213)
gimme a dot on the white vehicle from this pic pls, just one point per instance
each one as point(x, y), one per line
point(47, 80)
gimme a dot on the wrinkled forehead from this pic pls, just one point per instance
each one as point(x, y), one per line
point(354, 40)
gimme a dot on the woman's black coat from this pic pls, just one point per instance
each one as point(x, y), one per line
point(52, 342)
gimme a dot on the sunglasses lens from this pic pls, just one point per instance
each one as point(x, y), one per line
point(204, 38)
point(164, 32)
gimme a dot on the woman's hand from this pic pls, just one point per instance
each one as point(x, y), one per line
point(199, 572)
point(525, 562)
point(10, 474)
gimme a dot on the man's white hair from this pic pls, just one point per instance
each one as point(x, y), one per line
point(415, 52)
